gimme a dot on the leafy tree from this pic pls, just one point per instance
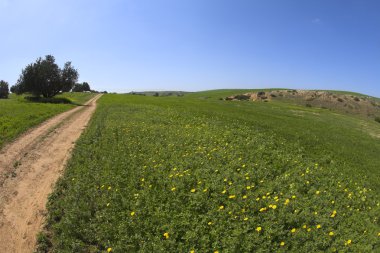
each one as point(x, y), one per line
point(17, 89)
point(44, 77)
point(4, 89)
point(80, 87)
point(69, 77)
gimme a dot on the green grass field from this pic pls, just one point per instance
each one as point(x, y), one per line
point(197, 174)
point(17, 114)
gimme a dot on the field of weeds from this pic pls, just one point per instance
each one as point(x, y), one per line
point(196, 174)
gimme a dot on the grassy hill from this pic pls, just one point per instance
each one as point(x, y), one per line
point(199, 174)
point(342, 102)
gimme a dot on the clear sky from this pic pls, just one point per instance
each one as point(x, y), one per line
point(125, 45)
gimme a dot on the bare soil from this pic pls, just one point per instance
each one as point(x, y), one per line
point(29, 167)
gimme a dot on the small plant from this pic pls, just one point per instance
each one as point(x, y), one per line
point(43, 243)
point(16, 164)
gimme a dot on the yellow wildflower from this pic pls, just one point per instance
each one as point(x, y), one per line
point(166, 235)
point(286, 201)
point(231, 196)
point(109, 187)
point(221, 207)
point(209, 223)
point(132, 213)
point(319, 226)
point(293, 230)
point(224, 191)
point(317, 192)
point(282, 244)
point(348, 242)
point(294, 196)
point(245, 196)
point(173, 189)
point(246, 218)
point(331, 233)
point(274, 206)
point(109, 249)
point(263, 209)
point(248, 187)
point(258, 229)
point(193, 190)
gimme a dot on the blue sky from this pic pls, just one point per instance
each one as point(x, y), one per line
point(198, 44)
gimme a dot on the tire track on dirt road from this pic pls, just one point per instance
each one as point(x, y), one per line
point(29, 167)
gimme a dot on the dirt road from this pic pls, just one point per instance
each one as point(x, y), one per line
point(29, 167)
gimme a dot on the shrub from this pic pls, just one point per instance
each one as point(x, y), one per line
point(49, 100)
point(81, 87)
point(4, 89)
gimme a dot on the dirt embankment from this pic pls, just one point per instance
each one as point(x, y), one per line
point(29, 167)
point(362, 105)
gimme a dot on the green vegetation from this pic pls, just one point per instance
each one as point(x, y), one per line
point(44, 77)
point(77, 98)
point(81, 87)
point(4, 89)
point(195, 173)
point(17, 114)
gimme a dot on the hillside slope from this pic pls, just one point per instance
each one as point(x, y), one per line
point(349, 103)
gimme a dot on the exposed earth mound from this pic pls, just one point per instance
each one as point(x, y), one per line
point(363, 105)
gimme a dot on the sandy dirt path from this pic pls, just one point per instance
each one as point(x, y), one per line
point(29, 167)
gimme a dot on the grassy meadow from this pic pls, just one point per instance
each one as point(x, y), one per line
point(18, 114)
point(198, 174)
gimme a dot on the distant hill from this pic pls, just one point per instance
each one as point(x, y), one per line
point(347, 102)
point(159, 93)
